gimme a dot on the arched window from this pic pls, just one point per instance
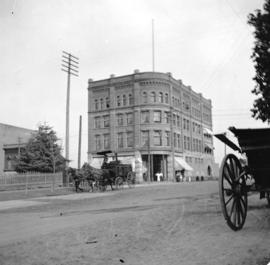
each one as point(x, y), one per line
point(118, 101)
point(124, 100)
point(153, 97)
point(166, 98)
point(160, 97)
point(144, 97)
point(130, 99)
point(101, 103)
point(96, 104)
point(107, 103)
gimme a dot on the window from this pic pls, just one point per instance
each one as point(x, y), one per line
point(160, 97)
point(174, 119)
point(129, 118)
point(106, 141)
point(167, 138)
point(130, 99)
point(144, 97)
point(97, 122)
point(120, 120)
point(96, 104)
point(157, 138)
point(188, 143)
point(174, 140)
point(130, 138)
point(107, 103)
point(145, 116)
point(179, 141)
point(167, 117)
point(145, 138)
point(124, 100)
point(101, 103)
point(153, 97)
point(118, 100)
point(98, 142)
point(157, 116)
point(106, 121)
point(178, 121)
point(166, 98)
point(120, 140)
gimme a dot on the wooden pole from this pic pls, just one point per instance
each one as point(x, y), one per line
point(80, 142)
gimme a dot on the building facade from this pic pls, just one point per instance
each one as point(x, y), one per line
point(154, 118)
point(12, 139)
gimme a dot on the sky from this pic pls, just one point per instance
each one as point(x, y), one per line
point(205, 43)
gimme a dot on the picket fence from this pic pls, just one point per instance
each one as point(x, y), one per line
point(30, 180)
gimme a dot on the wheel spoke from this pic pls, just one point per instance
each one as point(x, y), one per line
point(231, 212)
point(227, 175)
point(238, 212)
point(232, 168)
point(235, 213)
point(226, 203)
point(241, 209)
point(244, 203)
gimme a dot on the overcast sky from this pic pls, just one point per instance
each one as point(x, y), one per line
point(206, 43)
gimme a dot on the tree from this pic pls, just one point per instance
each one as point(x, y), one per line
point(261, 57)
point(42, 153)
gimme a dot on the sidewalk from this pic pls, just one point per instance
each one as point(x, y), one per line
point(18, 199)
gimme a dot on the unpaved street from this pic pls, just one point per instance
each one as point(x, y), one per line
point(177, 223)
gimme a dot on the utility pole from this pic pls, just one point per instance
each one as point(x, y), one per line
point(80, 142)
point(70, 66)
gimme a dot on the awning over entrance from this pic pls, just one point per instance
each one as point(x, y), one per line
point(180, 164)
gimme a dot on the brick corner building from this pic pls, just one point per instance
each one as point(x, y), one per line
point(155, 119)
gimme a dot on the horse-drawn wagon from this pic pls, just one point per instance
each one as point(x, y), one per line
point(237, 179)
point(120, 173)
point(112, 173)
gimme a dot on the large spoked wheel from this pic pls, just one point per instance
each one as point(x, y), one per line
point(268, 198)
point(233, 192)
point(119, 183)
point(131, 177)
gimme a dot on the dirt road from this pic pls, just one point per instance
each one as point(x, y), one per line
point(162, 224)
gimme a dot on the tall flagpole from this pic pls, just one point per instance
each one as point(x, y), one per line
point(153, 46)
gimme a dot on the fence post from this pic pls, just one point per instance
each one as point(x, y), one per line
point(53, 182)
point(26, 183)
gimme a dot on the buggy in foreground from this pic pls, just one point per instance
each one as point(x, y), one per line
point(236, 180)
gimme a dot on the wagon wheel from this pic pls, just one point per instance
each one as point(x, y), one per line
point(268, 198)
point(119, 183)
point(233, 192)
point(131, 176)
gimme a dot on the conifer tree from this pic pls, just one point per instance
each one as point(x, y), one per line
point(261, 57)
point(42, 152)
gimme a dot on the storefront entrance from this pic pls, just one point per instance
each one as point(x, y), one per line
point(157, 167)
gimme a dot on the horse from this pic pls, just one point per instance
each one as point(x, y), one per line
point(102, 176)
point(79, 176)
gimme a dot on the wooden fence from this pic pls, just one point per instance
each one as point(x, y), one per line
point(30, 180)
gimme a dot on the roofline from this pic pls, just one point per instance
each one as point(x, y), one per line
point(164, 76)
point(4, 124)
